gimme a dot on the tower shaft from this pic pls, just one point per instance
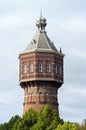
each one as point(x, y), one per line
point(37, 94)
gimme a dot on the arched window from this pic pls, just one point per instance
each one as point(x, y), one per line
point(31, 67)
point(40, 67)
point(40, 93)
point(60, 70)
point(48, 67)
point(46, 93)
point(56, 69)
point(24, 69)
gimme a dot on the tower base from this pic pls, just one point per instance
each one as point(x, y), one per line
point(37, 94)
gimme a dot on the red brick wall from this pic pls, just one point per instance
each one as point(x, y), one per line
point(37, 97)
point(44, 58)
point(40, 87)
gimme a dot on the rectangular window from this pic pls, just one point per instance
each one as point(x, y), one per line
point(48, 67)
point(40, 67)
point(31, 67)
point(24, 69)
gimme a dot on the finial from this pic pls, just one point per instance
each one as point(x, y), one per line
point(41, 22)
point(40, 13)
point(60, 50)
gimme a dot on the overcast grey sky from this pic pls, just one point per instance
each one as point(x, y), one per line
point(66, 27)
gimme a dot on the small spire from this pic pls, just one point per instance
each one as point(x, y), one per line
point(60, 50)
point(40, 13)
point(41, 23)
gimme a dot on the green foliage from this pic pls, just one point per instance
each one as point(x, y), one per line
point(9, 125)
point(12, 121)
point(67, 126)
point(48, 119)
point(27, 121)
point(82, 126)
point(4, 126)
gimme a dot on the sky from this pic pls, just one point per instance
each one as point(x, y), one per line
point(66, 27)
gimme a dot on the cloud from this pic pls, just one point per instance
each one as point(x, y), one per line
point(69, 33)
point(72, 95)
point(11, 101)
point(3, 101)
point(72, 105)
point(78, 25)
point(66, 27)
point(74, 68)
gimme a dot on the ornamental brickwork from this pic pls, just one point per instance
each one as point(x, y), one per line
point(35, 58)
point(41, 71)
point(36, 97)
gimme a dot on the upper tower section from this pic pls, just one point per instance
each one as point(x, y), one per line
point(41, 61)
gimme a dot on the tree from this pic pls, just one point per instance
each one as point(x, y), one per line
point(4, 126)
point(82, 126)
point(9, 125)
point(48, 119)
point(12, 121)
point(67, 126)
point(27, 121)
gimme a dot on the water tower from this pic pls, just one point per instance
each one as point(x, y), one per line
point(41, 70)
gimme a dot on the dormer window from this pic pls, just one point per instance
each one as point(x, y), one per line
point(40, 67)
point(48, 67)
point(24, 69)
point(31, 67)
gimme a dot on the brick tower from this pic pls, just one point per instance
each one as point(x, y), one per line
point(41, 70)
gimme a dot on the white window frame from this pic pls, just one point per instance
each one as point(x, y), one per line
point(48, 67)
point(60, 70)
point(24, 69)
point(39, 67)
point(56, 69)
point(31, 67)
